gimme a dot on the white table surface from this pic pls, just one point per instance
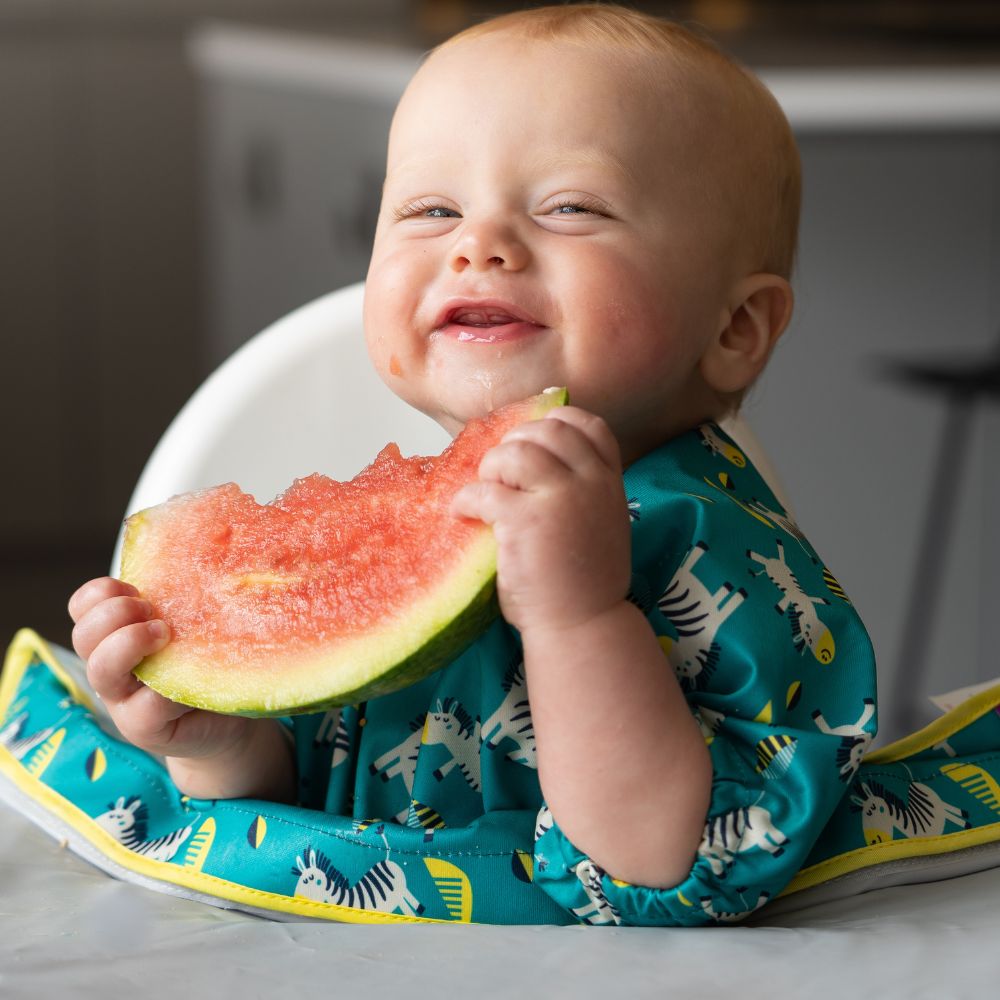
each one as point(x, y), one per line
point(67, 929)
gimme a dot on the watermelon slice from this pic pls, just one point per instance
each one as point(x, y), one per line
point(330, 594)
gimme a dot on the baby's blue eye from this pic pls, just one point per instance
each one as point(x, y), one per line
point(423, 210)
point(572, 210)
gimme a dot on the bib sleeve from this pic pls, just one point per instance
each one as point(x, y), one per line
point(776, 667)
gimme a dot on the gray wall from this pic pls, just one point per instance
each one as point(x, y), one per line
point(900, 259)
point(102, 324)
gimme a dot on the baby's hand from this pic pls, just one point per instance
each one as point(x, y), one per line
point(114, 631)
point(552, 491)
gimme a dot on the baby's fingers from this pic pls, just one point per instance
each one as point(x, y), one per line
point(110, 665)
point(93, 592)
point(106, 617)
point(524, 463)
point(595, 429)
point(566, 439)
point(484, 501)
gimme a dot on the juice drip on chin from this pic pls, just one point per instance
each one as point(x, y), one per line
point(490, 383)
point(479, 380)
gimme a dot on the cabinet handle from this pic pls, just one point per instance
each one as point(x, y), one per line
point(354, 224)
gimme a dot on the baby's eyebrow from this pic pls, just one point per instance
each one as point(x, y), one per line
point(580, 157)
point(540, 162)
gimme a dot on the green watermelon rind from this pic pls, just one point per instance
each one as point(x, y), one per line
point(435, 629)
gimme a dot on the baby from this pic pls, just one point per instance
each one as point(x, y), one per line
point(590, 197)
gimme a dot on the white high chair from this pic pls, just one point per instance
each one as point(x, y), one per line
point(300, 397)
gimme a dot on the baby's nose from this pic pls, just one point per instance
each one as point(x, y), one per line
point(484, 245)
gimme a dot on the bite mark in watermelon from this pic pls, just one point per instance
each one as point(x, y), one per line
point(332, 593)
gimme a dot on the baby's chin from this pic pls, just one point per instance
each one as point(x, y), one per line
point(477, 393)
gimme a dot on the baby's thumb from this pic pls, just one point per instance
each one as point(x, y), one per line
point(482, 501)
point(466, 502)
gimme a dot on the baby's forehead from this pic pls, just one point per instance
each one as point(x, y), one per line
point(628, 70)
point(680, 90)
point(574, 88)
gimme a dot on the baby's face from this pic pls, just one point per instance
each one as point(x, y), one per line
point(544, 222)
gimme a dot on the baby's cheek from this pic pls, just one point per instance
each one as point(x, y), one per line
point(379, 352)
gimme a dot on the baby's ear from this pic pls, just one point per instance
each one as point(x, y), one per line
point(760, 308)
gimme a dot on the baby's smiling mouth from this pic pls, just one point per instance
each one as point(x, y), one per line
point(485, 322)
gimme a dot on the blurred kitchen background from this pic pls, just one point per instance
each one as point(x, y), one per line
point(176, 174)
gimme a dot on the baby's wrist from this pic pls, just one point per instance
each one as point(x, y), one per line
point(595, 623)
point(259, 764)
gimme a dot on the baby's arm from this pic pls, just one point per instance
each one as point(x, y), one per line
point(208, 755)
point(609, 717)
point(607, 711)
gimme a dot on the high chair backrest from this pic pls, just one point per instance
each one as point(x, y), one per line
point(299, 397)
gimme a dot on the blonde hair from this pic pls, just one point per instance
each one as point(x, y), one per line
point(766, 184)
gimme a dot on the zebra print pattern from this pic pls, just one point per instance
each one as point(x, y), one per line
point(382, 887)
point(918, 811)
point(20, 745)
point(126, 821)
point(371, 890)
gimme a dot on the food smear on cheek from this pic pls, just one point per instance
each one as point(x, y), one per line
point(395, 368)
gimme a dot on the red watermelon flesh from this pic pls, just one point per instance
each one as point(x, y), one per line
point(332, 593)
